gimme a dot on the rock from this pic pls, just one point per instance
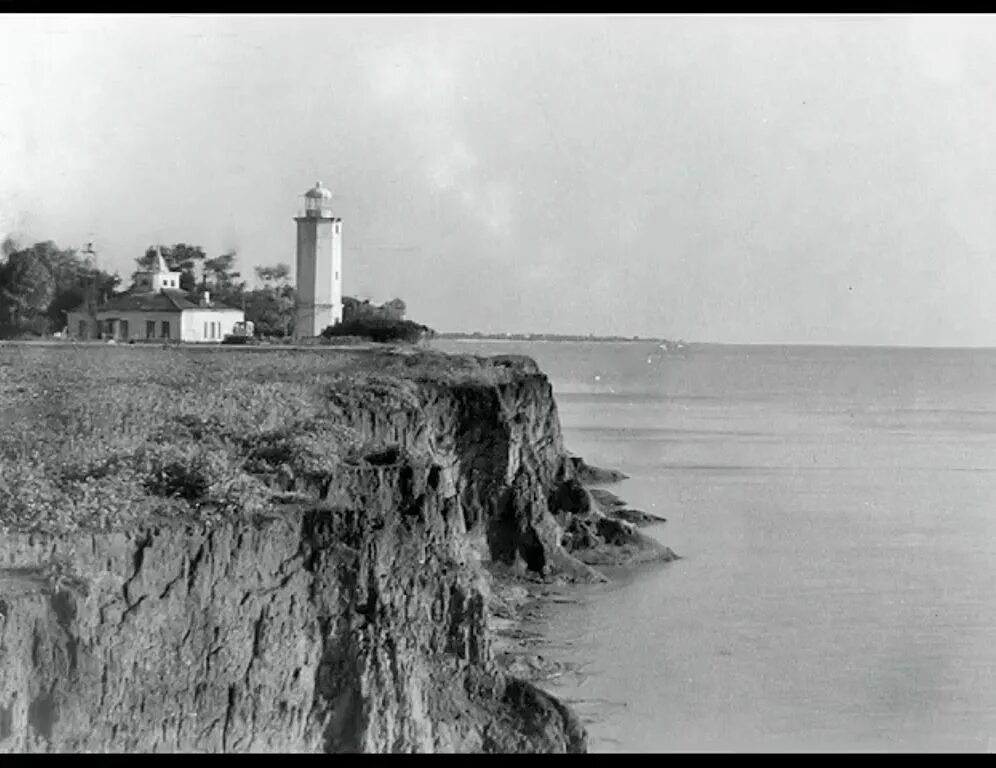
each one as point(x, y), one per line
point(612, 506)
point(590, 475)
point(618, 543)
point(637, 517)
point(605, 500)
point(615, 532)
point(544, 720)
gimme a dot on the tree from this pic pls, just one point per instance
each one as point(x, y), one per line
point(26, 290)
point(40, 284)
point(220, 268)
point(381, 329)
point(396, 308)
point(276, 275)
point(271, 308)
point(224, 281)
point(351, 308)
point(9, 245)
point(90, 289)
point(354, 309)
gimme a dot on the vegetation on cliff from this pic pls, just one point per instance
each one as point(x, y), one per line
point(382, 324)
point(103, 436)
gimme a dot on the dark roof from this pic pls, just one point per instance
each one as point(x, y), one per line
point(318, 192)
point(156, 301)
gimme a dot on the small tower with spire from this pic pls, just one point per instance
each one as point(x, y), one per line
point(319, 264)
point(159, 278)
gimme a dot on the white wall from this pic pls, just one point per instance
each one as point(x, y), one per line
point(318, 275)
point(186, 326)
point(194, 320)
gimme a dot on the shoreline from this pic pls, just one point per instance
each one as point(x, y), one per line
point(517, 599)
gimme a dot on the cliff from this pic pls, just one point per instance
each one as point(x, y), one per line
point(348, 612)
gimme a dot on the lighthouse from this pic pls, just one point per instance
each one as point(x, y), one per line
point(319, 264)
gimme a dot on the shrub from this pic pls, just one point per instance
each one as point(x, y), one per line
point(203, 473)
point(379, 329)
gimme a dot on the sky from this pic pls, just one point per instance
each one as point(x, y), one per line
point(739, 179)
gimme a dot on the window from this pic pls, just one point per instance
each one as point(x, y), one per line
point(150, 329)
point(164, 329)
point(205, 330)
point(124, 329)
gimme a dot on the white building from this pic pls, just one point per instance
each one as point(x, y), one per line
point(319, 265)
point(156, 308)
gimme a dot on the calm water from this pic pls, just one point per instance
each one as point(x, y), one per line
point(834, 509)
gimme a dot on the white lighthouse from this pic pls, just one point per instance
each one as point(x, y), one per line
point(319, 264)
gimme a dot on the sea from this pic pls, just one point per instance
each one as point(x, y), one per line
point(835, 513)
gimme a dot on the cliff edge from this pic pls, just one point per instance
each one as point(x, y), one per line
point(285, 557)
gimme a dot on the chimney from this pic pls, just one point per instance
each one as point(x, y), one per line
point(205, 299)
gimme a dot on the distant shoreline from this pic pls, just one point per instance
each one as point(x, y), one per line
point(756, 345)
point(552, 337)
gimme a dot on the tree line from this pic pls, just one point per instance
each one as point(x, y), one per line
point(39, 284)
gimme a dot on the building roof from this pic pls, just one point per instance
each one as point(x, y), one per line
point(156, 301)
point(318, 192)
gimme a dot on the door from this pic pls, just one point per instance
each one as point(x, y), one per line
point(150, 329)
point(164, 329)
point(123, 330)
point(83, 329)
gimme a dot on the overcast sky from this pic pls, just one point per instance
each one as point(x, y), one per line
point(739, 179)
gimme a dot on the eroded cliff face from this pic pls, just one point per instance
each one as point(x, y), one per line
point(354, 627)
point(500, 452)
point(354, 619)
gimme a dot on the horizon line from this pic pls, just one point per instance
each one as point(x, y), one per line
point(623, 338)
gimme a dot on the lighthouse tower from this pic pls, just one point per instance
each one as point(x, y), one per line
point(319, 264)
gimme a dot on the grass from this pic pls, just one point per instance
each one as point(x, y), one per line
point(99, 437)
